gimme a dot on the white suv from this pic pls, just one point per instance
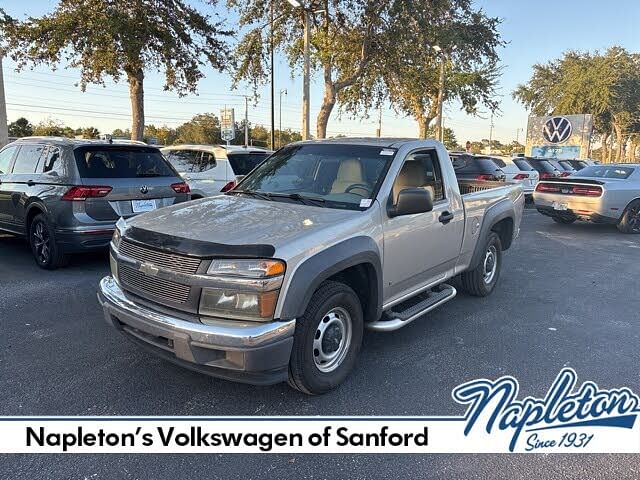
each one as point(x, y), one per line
point(211, 169)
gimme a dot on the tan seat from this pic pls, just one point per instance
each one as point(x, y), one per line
point(349, 173)
point(412, 175)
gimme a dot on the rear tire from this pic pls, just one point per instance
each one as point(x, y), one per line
point(327, 339)
point(481, 281)
point(46, 252)
point(564, 220)
point(630, 221)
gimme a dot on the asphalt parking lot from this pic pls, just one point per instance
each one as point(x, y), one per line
point(567, 297)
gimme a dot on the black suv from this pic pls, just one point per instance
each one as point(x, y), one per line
point(476, 167)
point(65, 195)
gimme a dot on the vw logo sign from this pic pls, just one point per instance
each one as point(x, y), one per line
point(144, 189)
point(557, 130)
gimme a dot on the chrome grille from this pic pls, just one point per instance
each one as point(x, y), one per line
point(169, 261)
point(154, 287)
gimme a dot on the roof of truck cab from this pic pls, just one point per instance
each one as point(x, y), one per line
point(78, 142)
point(369, 141)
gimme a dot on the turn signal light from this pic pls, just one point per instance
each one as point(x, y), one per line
point(86, 191)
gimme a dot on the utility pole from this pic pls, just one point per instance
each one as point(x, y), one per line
point(246, 121)
point(490, 134)
point(379, 130)
point(4, 134)
point(280, 118)
point(306, 81)
point(273, 120)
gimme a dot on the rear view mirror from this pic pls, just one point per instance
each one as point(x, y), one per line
point(411, 201)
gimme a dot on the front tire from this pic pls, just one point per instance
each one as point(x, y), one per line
point(481, 281)
point(630, 221)
point(327, 339)
point(46, 252)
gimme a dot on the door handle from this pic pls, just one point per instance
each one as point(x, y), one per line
point(31, 183)
point(446, 217)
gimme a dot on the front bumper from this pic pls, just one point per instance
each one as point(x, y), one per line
point(250, 352)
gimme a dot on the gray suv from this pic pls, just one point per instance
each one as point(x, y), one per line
point(66, 195)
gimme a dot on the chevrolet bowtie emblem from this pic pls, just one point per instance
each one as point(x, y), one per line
point(148, 269)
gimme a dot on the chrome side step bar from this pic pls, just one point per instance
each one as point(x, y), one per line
point(392, 320)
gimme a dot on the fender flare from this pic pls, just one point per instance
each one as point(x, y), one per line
point(323, 265)
point(492, 216)
point(29, 207)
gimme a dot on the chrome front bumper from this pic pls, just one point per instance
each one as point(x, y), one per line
point(246, 351)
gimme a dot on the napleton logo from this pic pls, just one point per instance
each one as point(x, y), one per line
point(557, 130)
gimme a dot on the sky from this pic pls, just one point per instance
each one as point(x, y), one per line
point(536, 32)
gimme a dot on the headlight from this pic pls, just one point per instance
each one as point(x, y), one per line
point(248, 290)
point(247, 268)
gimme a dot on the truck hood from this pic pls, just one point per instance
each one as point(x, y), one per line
point(236, 220)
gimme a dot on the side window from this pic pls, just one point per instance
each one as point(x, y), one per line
point(6, 156)
point(207, 162)
point(28, 158)
point(185, 160)
point(421, 170)
point(50, 161)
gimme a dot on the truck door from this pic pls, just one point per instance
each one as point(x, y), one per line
point(422, 248)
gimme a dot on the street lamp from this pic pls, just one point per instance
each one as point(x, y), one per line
point(283, 91)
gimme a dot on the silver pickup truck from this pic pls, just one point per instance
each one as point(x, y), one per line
point(277, 279)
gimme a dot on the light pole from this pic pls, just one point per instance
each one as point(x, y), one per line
point(306, 119)
point(283, 91)
point(273, 120)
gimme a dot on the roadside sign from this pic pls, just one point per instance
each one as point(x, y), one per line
point(227, 124)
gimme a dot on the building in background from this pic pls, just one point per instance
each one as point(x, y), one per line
point(559, 136)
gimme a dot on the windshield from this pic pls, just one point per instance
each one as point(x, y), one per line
point(121, 162)
point(610, 171)
point(336, 176)
point(243, 163)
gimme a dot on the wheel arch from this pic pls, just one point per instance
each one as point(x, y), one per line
point(500, 219)
point(33, 209)
point(355, 262)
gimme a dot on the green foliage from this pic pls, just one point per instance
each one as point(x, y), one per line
point(20, 128)
point(90, 132)
point(449, 140)
point(112, 38)
point(164, 135)
point(54, 128)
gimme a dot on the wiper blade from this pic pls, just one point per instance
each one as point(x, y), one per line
point(313, 201)
point(252, 193)
point(140, 175)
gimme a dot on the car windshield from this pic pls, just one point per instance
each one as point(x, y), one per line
point(328, 175)
point(609, 171)
point(121, 162)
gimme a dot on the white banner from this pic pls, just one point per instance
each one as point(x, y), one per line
point(566, 420)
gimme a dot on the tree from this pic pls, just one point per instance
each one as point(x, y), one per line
point(164, 135)
point(90, 132)
point(116, 38)
point(344, 43)
point(201, 129)
point(119, 133)
point(53, 128)
point(20, 128)
point(421, 37)
point(449, 138)
point(604, 85)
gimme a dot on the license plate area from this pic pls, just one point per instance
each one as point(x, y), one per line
point(560, 206)
point(140, 206)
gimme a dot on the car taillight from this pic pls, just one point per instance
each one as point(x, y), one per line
point(229, 186)
point(544, 187)
point(587, 191)
point(86, 191)
point(485, 177)
point(565, 174)
point(521, 176)
point(181, 187)
point(547, 175)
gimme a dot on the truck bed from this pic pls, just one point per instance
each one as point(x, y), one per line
point(473, 186)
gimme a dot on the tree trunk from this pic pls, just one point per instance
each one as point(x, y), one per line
point(423, 126)
point(328, 102)
point(604, 149)
point(619, 142)
point(136, 93)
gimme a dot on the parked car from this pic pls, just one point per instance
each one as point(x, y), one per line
point(525, 175)
point(65, 196)
point(598, 193)
point(544, 167)
point(565, 169)
point(577, 165)
point(211, 169)
point(476, 167)
point(277, 279)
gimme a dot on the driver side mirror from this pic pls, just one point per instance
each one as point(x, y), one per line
point(411, 201)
